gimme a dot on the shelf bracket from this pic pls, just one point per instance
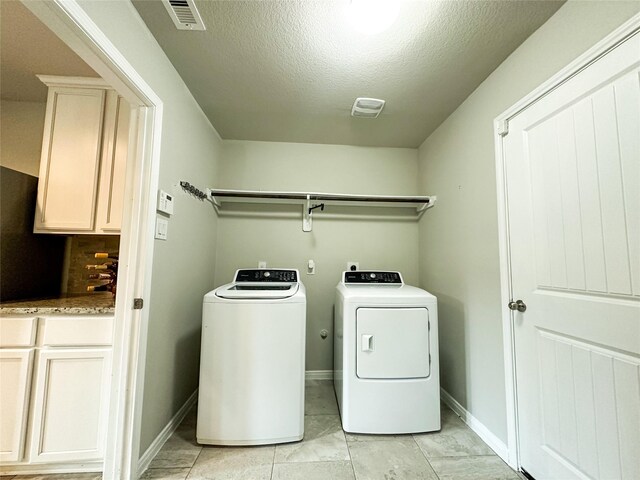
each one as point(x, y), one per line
point(212, 198)
point(307, 215)
point(425, 206)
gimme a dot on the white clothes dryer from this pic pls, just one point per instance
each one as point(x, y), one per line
point(386, 355)
point(252, 364)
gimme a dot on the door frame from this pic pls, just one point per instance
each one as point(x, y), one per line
point(74, 27)
point(501, 128)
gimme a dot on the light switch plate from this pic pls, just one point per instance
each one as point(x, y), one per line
point(165, 202)
point(162, 228)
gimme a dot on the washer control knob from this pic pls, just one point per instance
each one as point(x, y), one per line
point(372, 275)
point(267, 274)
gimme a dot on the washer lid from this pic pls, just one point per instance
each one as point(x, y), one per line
point(257, 290)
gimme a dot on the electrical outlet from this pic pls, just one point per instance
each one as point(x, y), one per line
point(352, 264)
point(262, 264)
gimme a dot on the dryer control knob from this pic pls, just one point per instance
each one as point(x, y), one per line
point(372, 275)
point(267, 274)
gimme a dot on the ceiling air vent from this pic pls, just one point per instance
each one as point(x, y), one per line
point(367, 107)
point(184, 14)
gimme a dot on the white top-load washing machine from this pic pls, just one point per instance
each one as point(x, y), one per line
point(386, 355)
point(252, 363)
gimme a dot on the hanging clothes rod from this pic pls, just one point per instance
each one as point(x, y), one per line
point(309, 205)
point(335, 197)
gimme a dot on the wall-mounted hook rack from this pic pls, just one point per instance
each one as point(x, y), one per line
point(195, 191)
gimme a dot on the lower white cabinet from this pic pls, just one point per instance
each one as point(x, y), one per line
point(54, 392)
point(71, 393)
point(15, 382)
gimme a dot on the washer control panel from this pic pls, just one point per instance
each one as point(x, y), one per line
point(390, 278)
point(266, 275)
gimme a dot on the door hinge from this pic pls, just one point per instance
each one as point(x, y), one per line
point(503, 127)
point(138, 303)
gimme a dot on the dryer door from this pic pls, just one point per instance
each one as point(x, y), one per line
point(392, 343)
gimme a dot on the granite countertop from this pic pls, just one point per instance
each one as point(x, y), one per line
point(71, 304)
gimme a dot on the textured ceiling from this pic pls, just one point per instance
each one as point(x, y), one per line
point(28, 48)
point(290, 70)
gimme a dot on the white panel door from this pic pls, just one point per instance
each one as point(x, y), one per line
point(392, 343)
point(573, 190)
point(69, 166)
point(15, 380)
point(114, 163)
point(71, 403)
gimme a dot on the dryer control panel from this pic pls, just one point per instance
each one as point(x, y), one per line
point(266, 275)
point(367, 277)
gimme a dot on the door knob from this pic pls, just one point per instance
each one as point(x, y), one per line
point(518, 305)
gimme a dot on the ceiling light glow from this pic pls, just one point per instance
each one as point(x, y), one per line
point(372, 16)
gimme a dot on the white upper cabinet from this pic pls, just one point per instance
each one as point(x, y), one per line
point(84, 154)
point(70, 161)
point(114, 163)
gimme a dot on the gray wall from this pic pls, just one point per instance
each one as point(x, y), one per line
point(183, 265)
point(459, 238)
point(376, 243)
point(21, 128)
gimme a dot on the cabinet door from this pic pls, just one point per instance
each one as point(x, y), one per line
point(70, 160)
point(114, 163)
point(15, 380)
point(71, 403)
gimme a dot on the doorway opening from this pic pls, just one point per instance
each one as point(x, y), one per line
point(70, 23)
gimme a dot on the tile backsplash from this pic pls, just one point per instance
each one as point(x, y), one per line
point(81, 253)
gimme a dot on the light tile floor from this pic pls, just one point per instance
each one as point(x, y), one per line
point(327, 453)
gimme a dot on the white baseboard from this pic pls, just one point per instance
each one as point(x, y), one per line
point(167, 431)
point(319, 375)
point(52, 468)
point(476, 425)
